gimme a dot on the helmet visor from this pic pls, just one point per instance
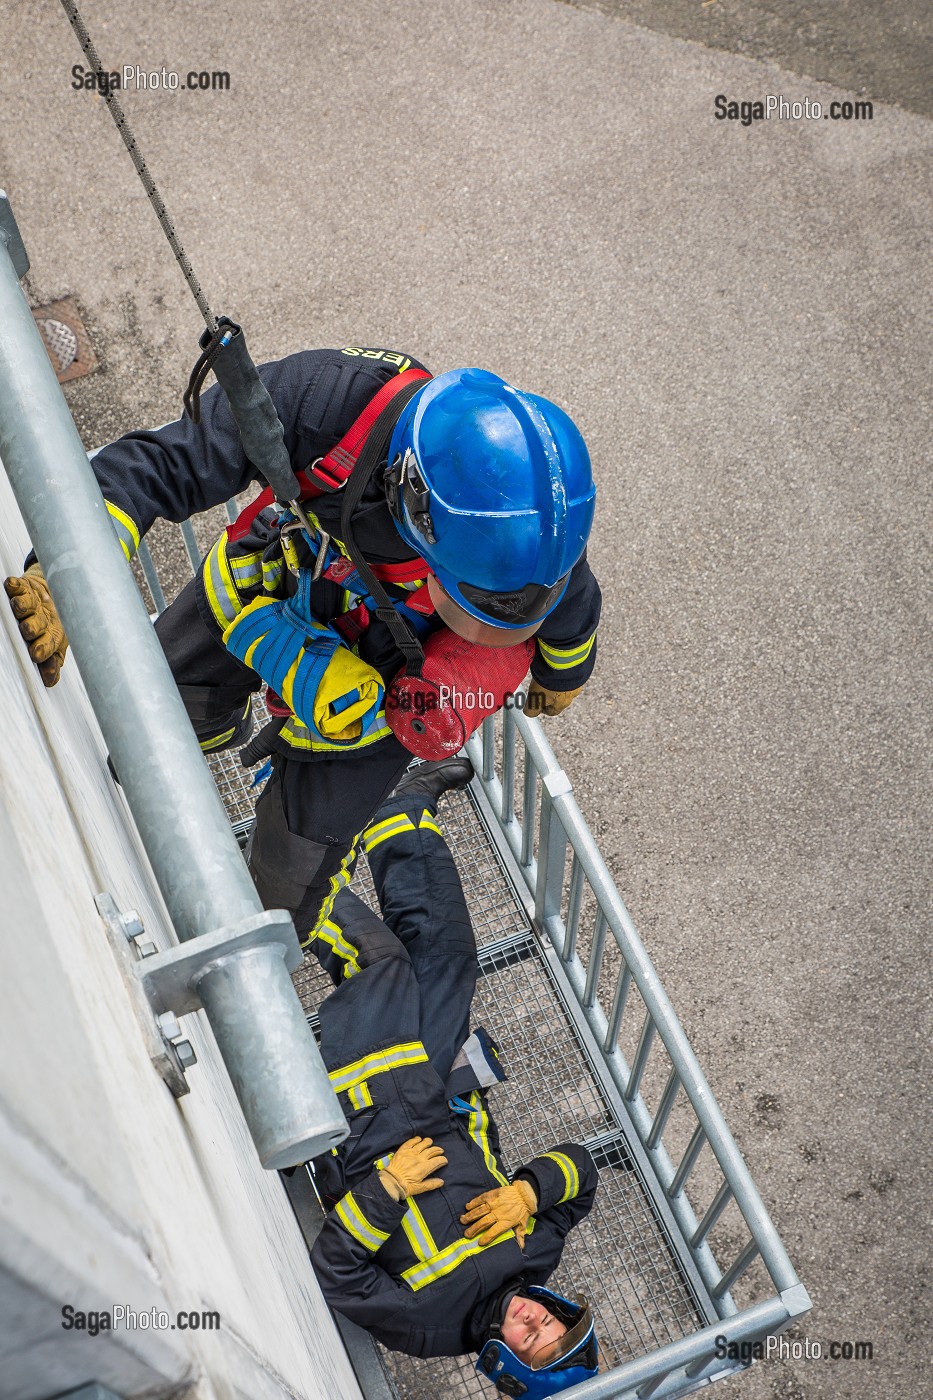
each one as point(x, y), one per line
point(484, 634)
point(522, 605)
point(573, 1340)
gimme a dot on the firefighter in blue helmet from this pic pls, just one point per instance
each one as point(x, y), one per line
point(474, 517)
point(537, 1342)
point(493, 488)
point(428, 1243)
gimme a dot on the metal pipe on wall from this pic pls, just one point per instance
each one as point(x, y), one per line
point(280, 1080)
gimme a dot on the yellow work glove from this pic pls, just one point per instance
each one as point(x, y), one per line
point(504, 1208)
point(409, 1170)
point(39, 623)
point(548, 702)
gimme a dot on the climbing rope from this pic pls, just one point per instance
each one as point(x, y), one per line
point(223, 343)
point(142, 170)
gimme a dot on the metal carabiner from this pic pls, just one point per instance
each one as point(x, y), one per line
point(313, 534)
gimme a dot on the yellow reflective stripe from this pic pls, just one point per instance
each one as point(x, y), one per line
point(272, 571)
point(444, 1263)
point(478, 1126)
point(218, 739)
point(381, 1163)
point(419, 1236)
point(360, 1097)
point(245, 578)
point(571, 1177)
point(337, 883)
point(391, 826)
point(246, 569)
point(412, 1052)
point(375, 828)
point(344, 950)
point(298, 735)
point(225, 737)
point(222, 597)
point(427, 823)
point(565, 658)
point(126, 528)
point(355, 1222)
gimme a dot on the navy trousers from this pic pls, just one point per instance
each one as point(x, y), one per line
point(400, 1011)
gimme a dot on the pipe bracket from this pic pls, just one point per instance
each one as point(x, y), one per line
point(170, 979)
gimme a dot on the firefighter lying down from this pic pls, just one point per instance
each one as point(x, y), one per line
point(427, 1243)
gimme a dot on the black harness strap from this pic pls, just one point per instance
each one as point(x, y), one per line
point(374, 450)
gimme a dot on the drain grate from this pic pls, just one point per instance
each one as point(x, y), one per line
point(65, 339)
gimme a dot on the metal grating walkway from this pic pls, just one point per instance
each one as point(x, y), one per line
point(620, 1254)
point(595, 1054)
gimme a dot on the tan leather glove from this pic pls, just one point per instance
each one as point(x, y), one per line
point(39, 623)
point(504, 1208)
point(409, 1171)
point(548, 702)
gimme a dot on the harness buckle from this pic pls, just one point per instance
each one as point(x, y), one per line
point(322, 478)
point(312, 534)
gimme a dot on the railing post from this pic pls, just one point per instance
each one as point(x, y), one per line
point(552, 850)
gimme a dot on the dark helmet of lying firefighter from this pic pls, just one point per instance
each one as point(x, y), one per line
point(492, 487)
point(538, 1342)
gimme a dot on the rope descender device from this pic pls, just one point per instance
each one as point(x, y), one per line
point(224, 351)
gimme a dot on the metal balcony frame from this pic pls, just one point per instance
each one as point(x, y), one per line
point(152, 744)
point(521, 772)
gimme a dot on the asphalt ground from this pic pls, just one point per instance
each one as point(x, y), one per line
point(883, 52)
point(739, 319)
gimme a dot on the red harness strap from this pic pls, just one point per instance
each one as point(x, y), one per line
point(351, 625)
point(421, 601)
point(330, 472)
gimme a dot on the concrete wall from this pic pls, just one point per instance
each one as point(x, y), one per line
point(112, 1191)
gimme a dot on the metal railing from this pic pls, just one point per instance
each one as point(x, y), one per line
point(574, 904)
point(526, 803)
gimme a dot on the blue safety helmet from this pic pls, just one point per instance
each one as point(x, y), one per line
point(573, 1362)
point(493, 488)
